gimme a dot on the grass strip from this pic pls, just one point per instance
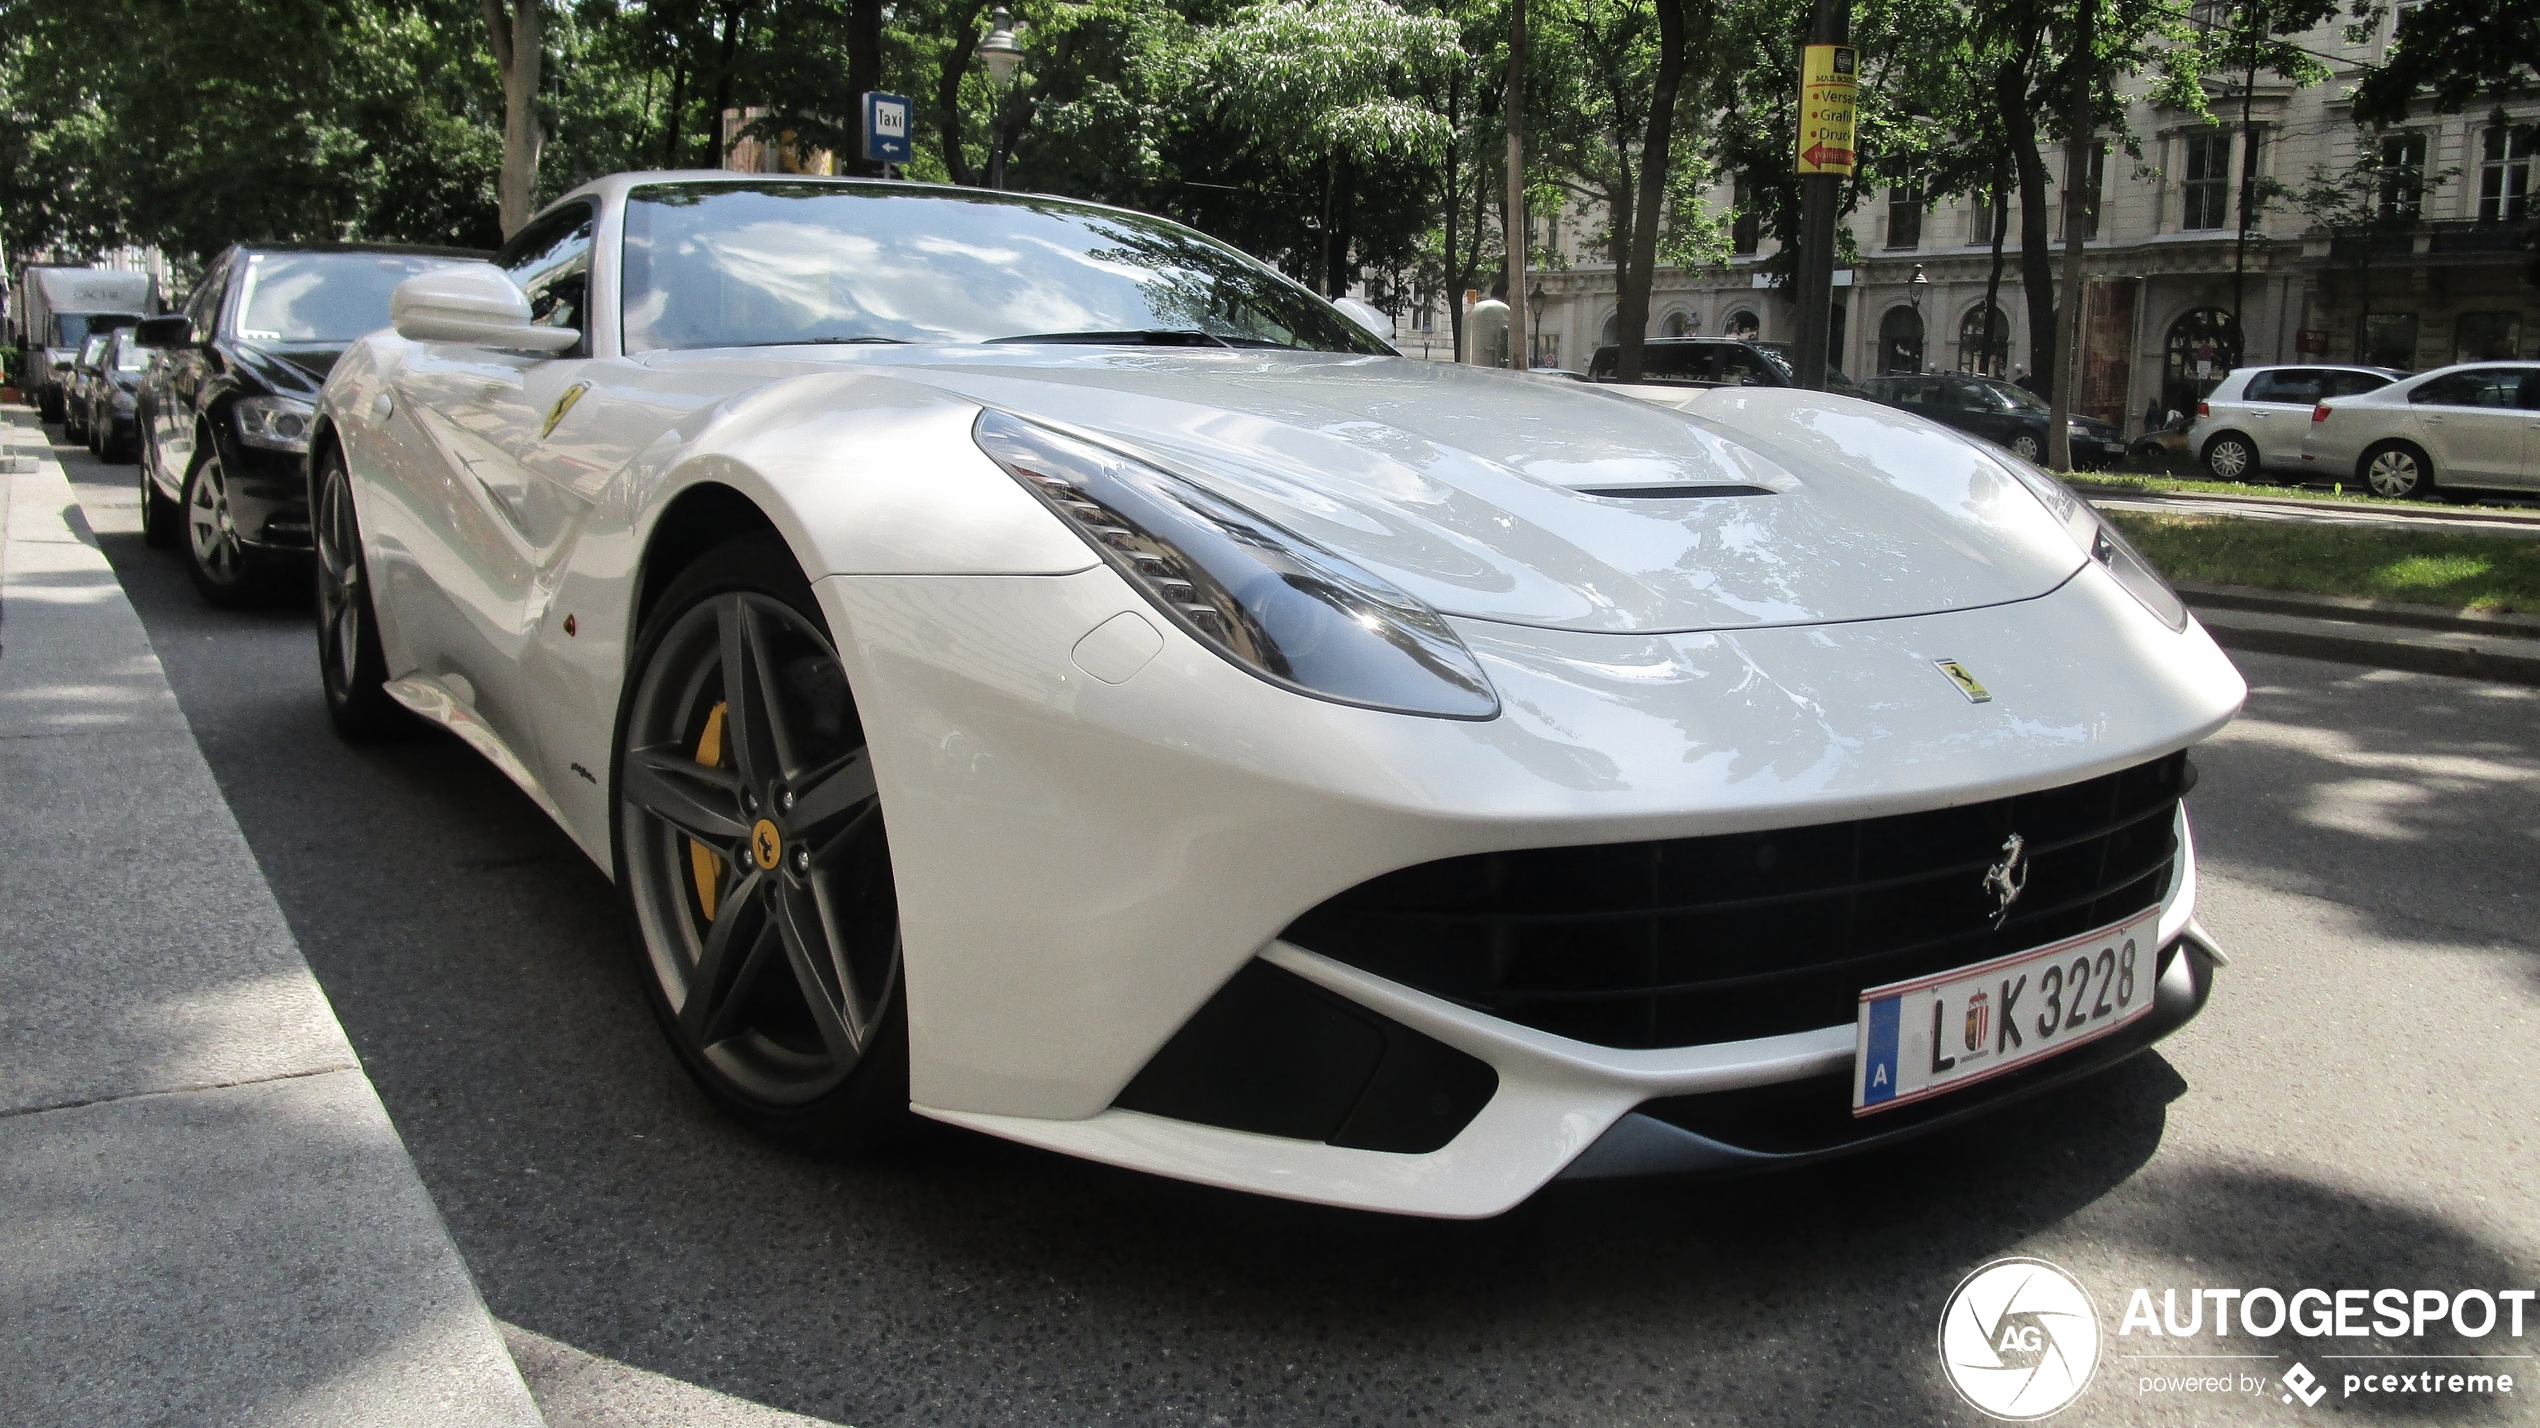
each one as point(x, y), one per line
point(2458, 572)
point(2269, 491)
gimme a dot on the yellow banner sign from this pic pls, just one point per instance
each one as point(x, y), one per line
point(1828, 90)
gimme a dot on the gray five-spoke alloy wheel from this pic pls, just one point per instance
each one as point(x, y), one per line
point(211, 533)
point(752, 850)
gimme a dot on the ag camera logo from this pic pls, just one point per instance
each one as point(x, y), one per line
point(2019, 1339)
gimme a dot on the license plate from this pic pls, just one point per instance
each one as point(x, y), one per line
point(1919, 1038)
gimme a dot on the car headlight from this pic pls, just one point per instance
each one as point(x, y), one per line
point(2100, 541)
point(1271, 602)
point(274, 423)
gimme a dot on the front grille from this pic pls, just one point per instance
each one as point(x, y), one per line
point(1686, 941)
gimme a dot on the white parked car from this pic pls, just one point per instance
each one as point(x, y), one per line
point(1029, 664)
point(2250, 426)
point(2471, 427)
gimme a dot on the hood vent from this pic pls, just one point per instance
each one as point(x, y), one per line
point(1677, 492)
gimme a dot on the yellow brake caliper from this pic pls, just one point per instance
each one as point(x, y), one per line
point(704, 862)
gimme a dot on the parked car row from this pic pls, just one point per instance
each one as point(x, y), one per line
point(215, 402)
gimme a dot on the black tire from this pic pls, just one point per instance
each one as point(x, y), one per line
point(96, 438)
point(2396, 470)
point(73, 427)
point(753, 868)
point(224, 570)
point(162, 520)
point(352, 671)
point(2231, 457)
point(49, 404)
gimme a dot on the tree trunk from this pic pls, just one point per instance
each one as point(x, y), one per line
point(678, 107)
point(955, 64)
point(735, 17)
point(1993, 278)
point(1515, 100)
point(2078, 129)
point(512, 25)
point(1631, 306)
point(864, 74)
point(2037, 273)
point(1448, 205)
point(2248, 170)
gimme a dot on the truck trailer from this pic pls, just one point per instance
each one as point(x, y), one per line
point(58, 307)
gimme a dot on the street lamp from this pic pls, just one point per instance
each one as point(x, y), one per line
point(1915, 287)
point(1534, 328)
point(1003, 55)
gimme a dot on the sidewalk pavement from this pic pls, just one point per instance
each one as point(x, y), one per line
point(205, 1215)
point(2466, 644)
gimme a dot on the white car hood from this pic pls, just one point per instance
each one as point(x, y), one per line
point(1466, 486)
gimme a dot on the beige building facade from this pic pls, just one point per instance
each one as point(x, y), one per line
point(2433, 277)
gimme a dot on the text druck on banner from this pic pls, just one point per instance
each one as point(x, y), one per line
point(1829, 89)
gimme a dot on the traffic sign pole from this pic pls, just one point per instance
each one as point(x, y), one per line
point(1828, 85)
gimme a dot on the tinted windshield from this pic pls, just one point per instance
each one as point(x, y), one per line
point(70, 329)
point(321, 297)
point(726, 265)
point(128, 358)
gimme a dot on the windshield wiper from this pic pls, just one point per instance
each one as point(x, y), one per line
point(1141, 337)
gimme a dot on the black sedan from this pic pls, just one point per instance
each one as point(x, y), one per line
point(2009, 416)
point(1712, 362)
point(225, 414)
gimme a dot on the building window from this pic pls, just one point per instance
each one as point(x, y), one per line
point(1900, 341)
point(1905, 215)
point(2094, 183)
point(2208, 186)
point(1679, 324)
point(2387, 339)
point(2402, 196)
point(2210, 15)
point(1745, 228)
point(1980, 211)
point(1743, 323)
point(1613, 332)
point(2487, 337)
point(2504, 175)
point(1984, 350)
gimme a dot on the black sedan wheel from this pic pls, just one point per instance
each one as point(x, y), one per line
point(351, 668)
point(224, 569)
point(2028, 448)
point(752, 856)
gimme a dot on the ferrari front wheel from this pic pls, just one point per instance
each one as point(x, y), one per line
point(752, 856)
point(352, 668)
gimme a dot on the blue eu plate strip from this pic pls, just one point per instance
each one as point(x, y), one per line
point(1878, 1059)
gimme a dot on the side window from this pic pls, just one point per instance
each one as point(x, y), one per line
point(1682, 364)
point(2531, 390)
point(551, 260)
point(2492, 387)
point(2348, 384)
point(1741, 368)
point(203, 310)
point(2288, 387)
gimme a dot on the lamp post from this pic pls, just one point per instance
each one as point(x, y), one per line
point(1003, 55)
point(1915, 287)
point(1534, 329)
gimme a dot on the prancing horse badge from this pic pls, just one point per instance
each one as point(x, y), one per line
point(1968, 684)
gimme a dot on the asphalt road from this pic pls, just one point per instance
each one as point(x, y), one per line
point(2356, 1109)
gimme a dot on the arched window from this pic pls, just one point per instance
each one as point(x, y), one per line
point(1613, 332)
point(1985, 352)
point(1901, 341)
point(1743, 323)
point(2203, 344)
point(1679, 324)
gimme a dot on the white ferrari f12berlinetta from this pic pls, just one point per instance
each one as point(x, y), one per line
point(1027, 664)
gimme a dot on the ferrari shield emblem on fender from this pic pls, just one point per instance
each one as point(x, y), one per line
point(1968, 684)
point(563, 404)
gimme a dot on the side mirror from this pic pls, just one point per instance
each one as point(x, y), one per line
point(1367, 315)
point(173, 331)
point(474, 303)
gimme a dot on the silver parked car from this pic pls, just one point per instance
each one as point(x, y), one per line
point(2474, 426)
point(2251, 425)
